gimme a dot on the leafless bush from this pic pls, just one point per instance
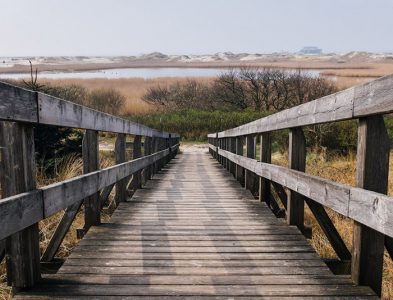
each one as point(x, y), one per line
point(260, 89)
point(107, 100)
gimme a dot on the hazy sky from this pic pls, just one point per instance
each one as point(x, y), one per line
point(129, 27)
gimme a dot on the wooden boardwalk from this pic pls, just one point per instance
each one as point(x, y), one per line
point(194, 232)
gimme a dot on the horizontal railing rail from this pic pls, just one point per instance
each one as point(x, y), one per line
point(367, 203)
point(360, 101)
point(22, 105)
point(23, 205)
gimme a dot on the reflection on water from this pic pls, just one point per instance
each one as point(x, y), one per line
point(132, 73)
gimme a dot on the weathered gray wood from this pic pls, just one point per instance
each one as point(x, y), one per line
point(19, 211)
point(367, 99)
point(280, 193)
point(296, 161)
point(256, 257)
point(55, 111)
point(147, 151)
point(18, 163)
point(266, 157)
point(136, 182)
point(61, 231)
point(232, 148)
point(2, 250)
point(18, 104)
point(120, 157)
point(251, 181)
point(329, 229)
point(239, 151)
point(90, 153)
point(105, 194)
point(371, 173)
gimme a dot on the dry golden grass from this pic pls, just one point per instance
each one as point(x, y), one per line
point(132, 88)
point(340, 169)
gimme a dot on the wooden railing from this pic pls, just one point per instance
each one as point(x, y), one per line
point(367, 204)
point(24, 205)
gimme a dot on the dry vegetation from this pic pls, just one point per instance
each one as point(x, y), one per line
point(340, 169)
point(132, 88)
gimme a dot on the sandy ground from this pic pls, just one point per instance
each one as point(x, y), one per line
point(192, 148)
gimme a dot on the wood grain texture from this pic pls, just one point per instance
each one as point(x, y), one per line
point(163, 243)
point(90, 155)
point(27, 208)
point(120, 157)
point(21, 105)
point(372, 172)
point(339, 197)
point(367, 99)
point(296, 161)
point(18, 164)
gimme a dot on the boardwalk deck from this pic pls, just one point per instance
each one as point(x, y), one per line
point(194, 232)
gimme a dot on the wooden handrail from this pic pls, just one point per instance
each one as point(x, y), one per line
point(375, 97)
point(369, 208)
point(22, 210)
point(22, 105)
point(23, 205)
point(367, 204)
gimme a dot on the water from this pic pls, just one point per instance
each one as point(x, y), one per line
point(145, 73)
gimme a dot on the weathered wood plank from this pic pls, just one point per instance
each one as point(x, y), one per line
point(17, 104)
point(266, 157)
point(296, 161)
point(371, 98)
point(18, 163)
point(28, 208)
point(372, 172)
point(120, 157)
point(60, 232)
point(90, 154)
point(339, 197)
point(21, 105)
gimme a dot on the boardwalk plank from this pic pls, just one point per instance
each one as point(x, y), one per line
point(193, 233)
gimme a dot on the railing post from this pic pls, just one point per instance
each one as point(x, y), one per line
point(120, 157)
point(250, 182)
point(239, 172)
point(216, 143)
point(18, 164)
point(90, 155)
point(147, 150)
point(297, 161)
point(136, 153)
point(266, 157)
point(371, 174)
point(232, 148)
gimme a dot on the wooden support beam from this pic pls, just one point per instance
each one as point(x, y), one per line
point(371, 174)
point(232, 148)
point(2, 250)
point(60, 232)
point(239, 175)
point(297, 161)
point(148, 150)
point(281, 193)
point(136, 182)
point(329, 229)
point(266, 157)
point(18, 163)
point(278, 212)
point(251, 182)
point(90, 155)
point(105, 193)
point(120, 157)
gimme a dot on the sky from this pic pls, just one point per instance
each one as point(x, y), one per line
point(133, 27)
